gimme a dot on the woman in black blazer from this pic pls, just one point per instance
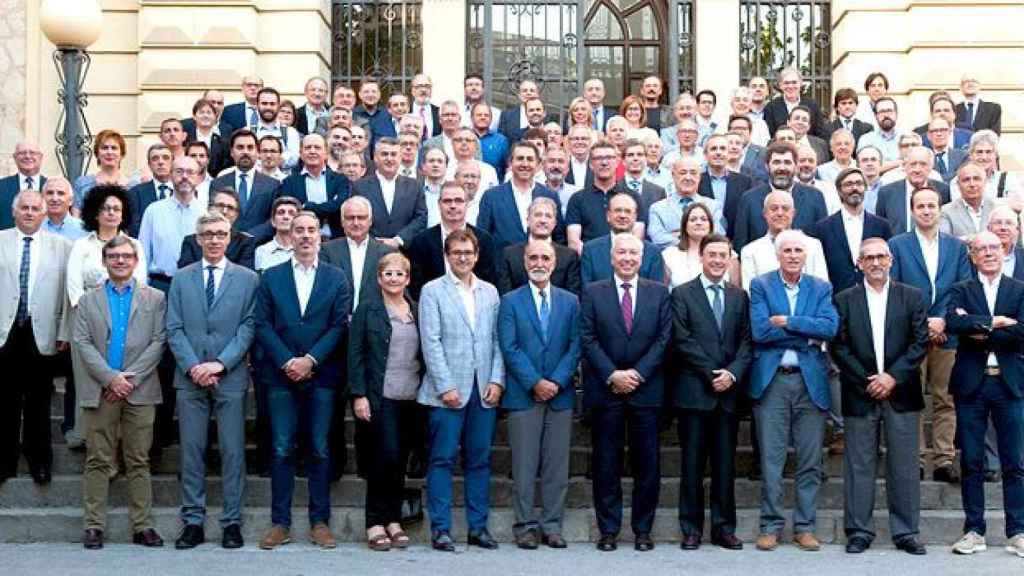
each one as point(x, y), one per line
point(384, 371)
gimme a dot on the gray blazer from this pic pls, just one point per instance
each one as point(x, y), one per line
point(955, 220)
point(48, 305)
point(144, 345)
point(454, 354)
point(223, 333)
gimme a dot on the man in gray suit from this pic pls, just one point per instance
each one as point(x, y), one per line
point(119, 335)
point(33, 328)
point(210, 327)
point(464, 381)
point(968, 214)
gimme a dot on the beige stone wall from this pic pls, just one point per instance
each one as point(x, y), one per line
point(12, 70)
point(926, 45)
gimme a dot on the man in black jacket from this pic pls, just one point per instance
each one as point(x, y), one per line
point(540, 220)
point(241, 249)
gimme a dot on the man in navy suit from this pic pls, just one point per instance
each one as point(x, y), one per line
point(842, 233)
point(947, 158)
point(988, 382)
point(780, 158)
point(626, 326)
point(539, 335)
point(241, 248)
point(894, 199)
point(942, 107)
point(244, 114)
point(302, 312)
point(712, 339)
point(386, 125)
point(791, 317)
point(776, 112)
point(932, 262)
point(720, 183)
point(595, 262)
point(975, 113)
point(399, 207)
point(320, 190)
point(504, 208)
point(158, 188)
point(594, 93)
point(422, 108)
point(256, 192)
point(752, 161)
point(28, 158)
point(315, 108)
point(845, 105)
point(512, 121)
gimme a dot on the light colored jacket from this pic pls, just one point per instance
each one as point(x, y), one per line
point(955, 219)
point(455, 354)
point(143, 347)
point(48, 305)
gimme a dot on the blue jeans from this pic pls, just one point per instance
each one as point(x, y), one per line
point(315, 405)
point(473, 427)
point(993, 400)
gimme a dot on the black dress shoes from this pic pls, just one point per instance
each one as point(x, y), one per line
point(947, 474)
point(607, 543)
point(643, 543)
point(690, 542)
point(92, 539)
point(443, 541)
point(554, 541)
point(41, 476)
point(991, 476)
point(192, 535)
point(231, 537)
point(857, 544)
point(527, 540)
point(148, 538)
point(911, 545)
point(482, 539)
point(727, 540)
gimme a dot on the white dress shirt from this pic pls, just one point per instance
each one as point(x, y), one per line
point(759, 257)
point(930, 250)
point(853, 226)
point(218, 273)
point(523, 199)
point(789, 357)
point(23, 181)
point(431, 194)
point(387, 190)
point(271, 254)
point(289, 144)
point(304, 278)
point(468, 298)
point(33, 258)
point(877, 303)
point(357, 255)
point(991, 290)
point(632, 291)
point(424, 112)
point(579, 171)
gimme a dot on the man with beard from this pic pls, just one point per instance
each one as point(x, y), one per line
point(886, 138)
point(780, 159)
point(894, 199)
point(256, 192)
point(338, 140)
point(556, 167)
point(473, 94)
point(267, 102)
point(367, 111)
point(650, 93)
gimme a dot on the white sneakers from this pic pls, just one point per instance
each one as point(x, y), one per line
point(970, 543)
point(1016, 545)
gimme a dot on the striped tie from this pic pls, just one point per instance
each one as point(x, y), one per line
point(210, 290)
point(26, 262)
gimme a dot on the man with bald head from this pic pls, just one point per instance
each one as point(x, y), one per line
point(968, 214)
point(28, 158)
point(58, 197)
point(244, 114)
point(666, 214)
point(760, 256)
point(1005, 224)
point(894, 199)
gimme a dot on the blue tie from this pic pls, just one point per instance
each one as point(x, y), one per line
point(254, 118)
point(970, 113)
point(545, 313)
point(26, 262)
point(716, 305)
point(210, 290)
point(940, 163)
point(243, 189)
point(163, 188)
point(634, 185)
point(685, 201)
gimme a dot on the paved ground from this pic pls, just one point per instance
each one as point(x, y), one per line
point(578, 560)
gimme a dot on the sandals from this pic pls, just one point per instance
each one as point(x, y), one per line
point(399, 538)
point(379, 543)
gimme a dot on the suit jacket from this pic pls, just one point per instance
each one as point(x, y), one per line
point(302, 122)
point(143, 346)
point(957, 221)
point(972, 354)
point(906, 343)
point(508, 124)
point(860, 128)
point(530, 356)
point(426, 252)
point(284, 332)
point(380, 127)
point(596, 261)
point(9, 188)
point(48, 303)
point(255, 213)
point(814, 320)
point(408, 216)
point(234, 116)
point(336, 253)
point(908, 267)
point(140, 197)
point(435, 117)
point(511, 272)
point(961, 137)
point(753, 164)
point(736, 185)
point(198, 333)
point(954, 159)
point(607, 346)
point(842, 269)
point(368, 345)
point(821, 148)
point(458, 356)
point(702, 348)
point(499, 217)
point(988, 116)
point(241, 250)
point(892, 203)
point(608, 113)
point(220, 154)
point(777, 114)
point(1018, 268)
point(649, 194)
point(337, 192)
point(750, 222)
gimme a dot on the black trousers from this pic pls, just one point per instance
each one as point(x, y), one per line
point(25, 411)
point(387, 437)
point(707, 435)
point(608, 436)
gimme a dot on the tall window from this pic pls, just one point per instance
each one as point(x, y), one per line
point(382, 40)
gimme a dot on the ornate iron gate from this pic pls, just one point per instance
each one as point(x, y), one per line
point(774, 35)
point(378, 39)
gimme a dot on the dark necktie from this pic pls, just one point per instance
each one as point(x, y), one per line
point(940, 163)
point(243, 189)
point(26, 263)
point(627, 307)
point(210, 289)
point(29, 183)
point(254, 119)
point(717, 307)
point(970, 113)
point(634, 185)
point(545, 313)
point(597, 125)
point(164, 191)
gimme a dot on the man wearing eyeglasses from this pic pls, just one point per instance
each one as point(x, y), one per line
point(28, 158)
point(241, 248)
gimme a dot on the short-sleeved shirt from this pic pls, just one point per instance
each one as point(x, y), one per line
point(588, 207)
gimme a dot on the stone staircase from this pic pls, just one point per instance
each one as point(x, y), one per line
point(29, 513)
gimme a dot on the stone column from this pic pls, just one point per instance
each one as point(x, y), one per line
point(444, 47)
point(12, 70)
point(718, 47)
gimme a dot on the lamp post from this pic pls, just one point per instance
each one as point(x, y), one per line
point(72, 26)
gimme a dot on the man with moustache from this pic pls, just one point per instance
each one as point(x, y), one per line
point(556, 167)
point(886, 138)
point(267, 102)
point(658, 116)
point(565, 274)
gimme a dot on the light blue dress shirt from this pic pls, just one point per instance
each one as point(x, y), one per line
point(120, 304)
point(164, 225)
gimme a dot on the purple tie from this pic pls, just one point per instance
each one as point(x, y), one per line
point(627, 307)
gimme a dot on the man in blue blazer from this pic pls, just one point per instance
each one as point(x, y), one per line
point(28, 158)
point(302, 312)
point(834, 232)
point(159, 187)
point(244, 114)
point(503, 209)
point(933, 272)
point(596, 262)
point(893, 200)
point(988, 382)
point(625, 328)
point(538, 330)
point(320, 189)
point(780, 158)
point(386, 125)
point(791, 318)
point(400, 217)
point(256, 191)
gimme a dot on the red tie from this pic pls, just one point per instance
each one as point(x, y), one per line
point(627, 307)
point(423, 116)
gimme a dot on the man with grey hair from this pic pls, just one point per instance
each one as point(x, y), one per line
point(984, 151)
point(894, 199)
point(241, 249)
point(429, 114)
point(594, 93)
point(777, 112)
point(967, 215)
point(741, 103)
point(760, 256)
point(451, 119)
point(540, 221)
point(309, 114)
point(400, 207)
point(29, 159)
point(684, 108)
point(466, 148)
point(665, 215)
point(468, 175)
point(687, 136)
point(210, 327)
point(58, 196)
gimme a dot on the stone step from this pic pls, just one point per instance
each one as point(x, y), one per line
point(938, 527)
point(66, 491)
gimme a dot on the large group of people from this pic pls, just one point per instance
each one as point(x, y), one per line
point(434, 268)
